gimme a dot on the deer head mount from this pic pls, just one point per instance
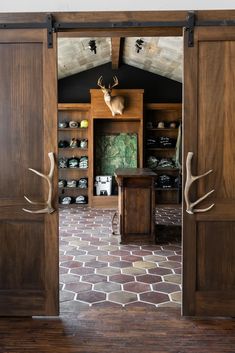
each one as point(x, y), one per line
point(115, 103)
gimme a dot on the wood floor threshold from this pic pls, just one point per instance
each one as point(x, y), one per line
point(129, 330)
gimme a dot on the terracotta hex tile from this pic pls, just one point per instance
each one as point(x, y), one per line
point(154, 297)
point(160, 271)
point(144, 264)
point(131, 258)
point(79, 242)
point(107, 305)
point(108, 247)
point(66, 296)
point(88, 247)
point(78, 287)
point(98, 252)
point(108, 271)
point(170, 305)
point(173, 279)
point(170, 264)
point(76, 252)
point(176, 297)
point(66, 258)
point(83, 271)
point(108, 258)
point(85, 258)
point(121, 264)
point(174, 247)
point(122, 297)
point(136, 287)
point(71, 264)
point(133, 271)
point(166, 287)
point(154, 258)
point(151, 247)
point(141, 252)
point(63, 270)
point(178, 271)
point(164, 253)
point(91, 296)
point(130, 247)
point(96, 264)
point(120, 252)
point(69, 278)
point(94, 278)
point(121, 278)
point(107, 287)
point(175, 258)
point(148, 278)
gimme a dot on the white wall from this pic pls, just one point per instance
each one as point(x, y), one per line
point(111, 5)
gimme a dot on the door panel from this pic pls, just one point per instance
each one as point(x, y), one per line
point(209, 129)
point(28, 125)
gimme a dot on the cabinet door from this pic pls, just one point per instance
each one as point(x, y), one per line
point(209, 130)
point(28, 125)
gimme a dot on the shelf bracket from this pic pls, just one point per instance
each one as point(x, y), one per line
point(191, 20)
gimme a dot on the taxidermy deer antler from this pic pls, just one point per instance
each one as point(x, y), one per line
point(189, 180)
point(115, 103)
point(48, 208)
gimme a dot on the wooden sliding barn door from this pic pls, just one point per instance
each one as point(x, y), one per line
point(28, 125)
point(209, 144)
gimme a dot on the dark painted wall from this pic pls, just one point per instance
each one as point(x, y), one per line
point(158, 89)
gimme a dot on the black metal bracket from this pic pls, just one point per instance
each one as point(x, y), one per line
point(191, 21)
point(31, 25)
point(50, 29)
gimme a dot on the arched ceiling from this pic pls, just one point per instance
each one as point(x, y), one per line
point(159, 55)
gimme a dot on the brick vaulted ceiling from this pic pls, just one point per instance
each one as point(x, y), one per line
point(159, 55)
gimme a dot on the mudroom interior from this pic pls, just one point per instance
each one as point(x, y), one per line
point(120, 171)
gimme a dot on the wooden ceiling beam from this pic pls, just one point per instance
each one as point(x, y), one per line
point(116, 52)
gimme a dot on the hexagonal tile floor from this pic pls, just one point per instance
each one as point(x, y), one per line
point(95, 270)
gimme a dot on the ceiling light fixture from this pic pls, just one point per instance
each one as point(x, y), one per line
point(139, 45)
point(92, 46)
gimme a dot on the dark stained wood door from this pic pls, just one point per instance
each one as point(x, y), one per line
point(209, 133)
point(28, 125)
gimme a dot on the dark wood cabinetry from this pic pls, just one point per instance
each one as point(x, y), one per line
point(73, 112)
point(162, 154)
point(136, 201)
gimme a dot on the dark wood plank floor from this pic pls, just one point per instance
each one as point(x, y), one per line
point(118, 330)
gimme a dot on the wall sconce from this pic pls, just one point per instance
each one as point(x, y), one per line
point(92, 46)
point(139, 45)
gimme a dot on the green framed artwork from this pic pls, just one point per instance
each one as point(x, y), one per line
point(115, 151)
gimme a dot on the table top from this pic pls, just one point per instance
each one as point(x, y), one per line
point(134, 172)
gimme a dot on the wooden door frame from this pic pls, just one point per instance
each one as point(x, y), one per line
point(136, 20)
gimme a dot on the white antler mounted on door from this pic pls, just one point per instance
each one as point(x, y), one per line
point(189, 180)
point(48, 208)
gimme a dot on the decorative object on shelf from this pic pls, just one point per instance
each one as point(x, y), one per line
point(115, 103)
point(161, 125)
point(63, 144)
point(83, 183)
point(164, 181)
point(71, 183)
point(65, 200)
point(173, 125)
point(83, 163)
point(81, 199)
point(149, 125)
point(103, 184)
point(152, 162)
point(84, 143)
point(63, 162)
point(62, 183)
point(74, 143)
point(73, 124)
point(62, 124)
point(166, 142)
point(151, 142)
point(166, 163)
point(73, 162)
point(84, 124)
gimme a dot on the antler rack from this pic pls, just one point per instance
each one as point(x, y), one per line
point(48, 178)
point(189, 181)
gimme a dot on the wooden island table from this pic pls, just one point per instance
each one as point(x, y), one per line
point(136, 203)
